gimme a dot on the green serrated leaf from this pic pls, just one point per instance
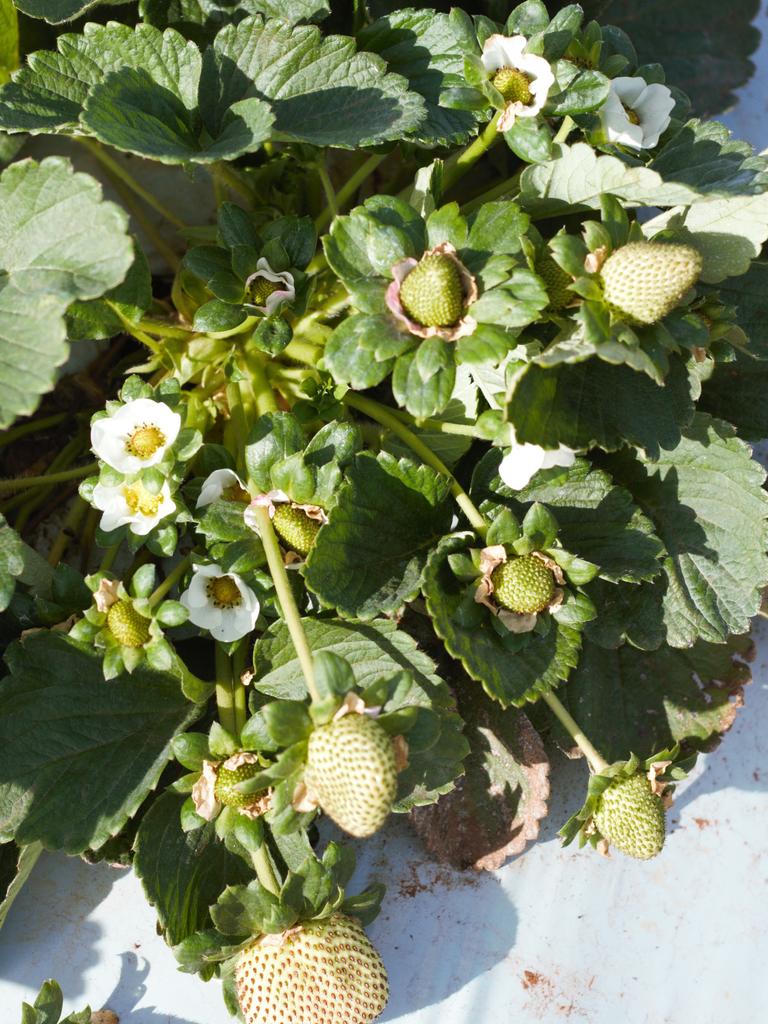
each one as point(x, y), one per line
point(595, 403)
point(202, 19)
point(182, 873)
point(729, 232)
point(16, 864)
point(373, 649)
point(629, 701)
point(61, 242)
point(120, 731)
point(320, 90)
point(425, 47)
point(58, 11)
point(706, 500)
point(368, 559)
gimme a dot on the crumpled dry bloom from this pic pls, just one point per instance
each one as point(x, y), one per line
point(203, 795)
point(466, 325)
point(303, 800)
point(269, 499)
point(660, 788)
point(106, 595)
point(493, 556)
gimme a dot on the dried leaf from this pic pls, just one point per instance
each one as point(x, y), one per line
point(496, 807)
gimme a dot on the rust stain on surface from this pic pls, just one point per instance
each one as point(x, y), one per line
point(702, 823)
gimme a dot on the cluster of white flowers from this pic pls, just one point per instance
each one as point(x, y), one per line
point(635, 113)
point(133, 438)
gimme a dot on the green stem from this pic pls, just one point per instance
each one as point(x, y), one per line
point(9, 436)
point(109, 557)
point(7, 486)
point(286, 599)
point(382, 415)
point(572, 727)
point(265, 873)
point(225, 692)
point(239, 657)
point(67, 532)
point(170, 580)
point(303, 351)
point(149, 229)
point(330, 192)
point(565, 129)
point(458, 165)
point(163, 330)
point(116, 171)
point(263, 395)
point(444, 427)
point(233, 181)
point(135, 330)
point(348, 189)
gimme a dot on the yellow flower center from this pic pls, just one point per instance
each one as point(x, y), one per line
point(145, 441)
point(236, 493)
point(224, 592)
point(631, 115)
point(260, 289)
point(513, 85)
point(139, 499)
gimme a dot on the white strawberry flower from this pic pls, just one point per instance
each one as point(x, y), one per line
point(635, 113)
point(220, 602)
point(507, 53)
point(220, 483)
point(135, 436)
point(523, 461)
point(131, 504)
point(268, 290)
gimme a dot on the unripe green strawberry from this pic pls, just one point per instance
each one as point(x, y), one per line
point(432, 294)
point(126, 625)
point(644, 281)
point(351, 772)
point(556, 281)
point(323, 972)
point(295, 527)
point(226, 782)
point(631, 817)
point(514, 85)
point(523, 585)
point(260, 289)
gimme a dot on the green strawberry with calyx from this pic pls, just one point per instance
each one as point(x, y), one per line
point(631, 817)
point(227, 779)
point(127, 625)
point(321, 972)
point(297, 529)
point(556, 281)
point(352, 774)
point(524, 585)
point(644, 281)
point(432, 293)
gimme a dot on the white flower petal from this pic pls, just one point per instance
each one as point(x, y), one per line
point(502, 51)
point(215, 484)
point(628, 90)
point(652, 104)
point(520, 465)
point(524, 461)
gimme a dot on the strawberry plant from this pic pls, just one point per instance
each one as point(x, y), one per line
point(420, 437)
